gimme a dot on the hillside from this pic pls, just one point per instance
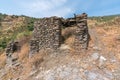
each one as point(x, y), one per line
point(100, 62)
point(14, 27)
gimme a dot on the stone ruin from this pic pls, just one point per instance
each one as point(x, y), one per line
point(82, 36)
point(11, 53)
point(47, 33)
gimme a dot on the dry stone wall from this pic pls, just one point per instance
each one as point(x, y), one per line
point(12, 53)
point(47, 33)
point(82, 36)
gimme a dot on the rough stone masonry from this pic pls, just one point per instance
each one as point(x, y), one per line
point(47, 33)
point(12, 57)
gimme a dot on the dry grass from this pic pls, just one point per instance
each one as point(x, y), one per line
point(111, 66)
point(36, 60)
point(24, 59)
point(29, 63)
point(23, 54)
point(27, 68)
point(8, 76)
point(2, 60)
point(68, 32)
point(118, 56)
point(107, 35)
point(70, 41)
point(15, 71)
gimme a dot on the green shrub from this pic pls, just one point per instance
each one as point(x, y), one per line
point(3, 44)
point(30, 24)
point(30, 27)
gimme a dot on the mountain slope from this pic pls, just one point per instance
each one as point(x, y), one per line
point(14, 27)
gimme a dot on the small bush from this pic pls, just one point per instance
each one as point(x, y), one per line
point(3, 44)
point(30, 27)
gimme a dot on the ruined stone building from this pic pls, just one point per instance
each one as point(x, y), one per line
point(47, 32)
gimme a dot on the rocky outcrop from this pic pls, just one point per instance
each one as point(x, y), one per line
point(47, 33)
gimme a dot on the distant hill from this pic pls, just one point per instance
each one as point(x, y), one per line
point(104, 18)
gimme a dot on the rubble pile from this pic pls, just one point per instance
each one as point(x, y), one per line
point(11, 52)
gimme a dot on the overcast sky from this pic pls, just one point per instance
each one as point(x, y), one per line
point(63, 8)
